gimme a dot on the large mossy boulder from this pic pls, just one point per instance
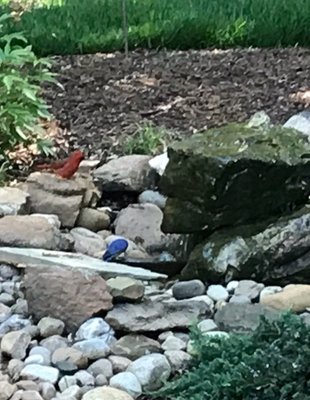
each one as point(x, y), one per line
point(278, 253)
point(234, 175)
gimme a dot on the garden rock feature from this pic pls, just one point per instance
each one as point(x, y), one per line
point(300, 122)
point(31, 231)
point(217, 167)
point(294, 298)
point(93, 219)
point(141, 222)
point(61, 286)
point(126, 289)
point(34, 257)
point(49, 194)
point(128, 173)
point(242, 317)
point(13, 201)
point(151, 370)
point(88, 242)
point(152, 315)
point(275, 253)
point(135, 346)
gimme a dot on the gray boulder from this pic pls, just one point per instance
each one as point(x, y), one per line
point(276, 254)
point(234, 175)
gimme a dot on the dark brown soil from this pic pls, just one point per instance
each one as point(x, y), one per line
point(105, 96)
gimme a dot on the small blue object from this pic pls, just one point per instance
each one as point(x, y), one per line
point(115, 248)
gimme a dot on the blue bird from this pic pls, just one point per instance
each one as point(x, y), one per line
point(114, 249)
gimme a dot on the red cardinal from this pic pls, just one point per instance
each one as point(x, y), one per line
point(64, 168)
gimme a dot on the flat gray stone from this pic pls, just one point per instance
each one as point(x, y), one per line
point(242, 317)
point(30, 257)
point(154, 315)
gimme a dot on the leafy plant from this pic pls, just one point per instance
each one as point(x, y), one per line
point(148, 139)
point(270, 364)
point(21, 105)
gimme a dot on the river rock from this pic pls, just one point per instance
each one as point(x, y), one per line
point(152, 197)
point(300, 122)
point(126, 289)
point(92, 219)
point(94, 328)
point(158, 315)
point(46, 282)
point(293, 297)
point(135, 346)
point(88, 242)
point(50, 326)
point(106, 393)
point(101, 366)
point(128, 382)
point(151, 370)
point(7, 390)
point(188, 289)
point(14, 201)
point(128, 173)
point(94, 348)
point(15, 344)
point(141, 222)
point(178, 359)
point(224, 172)
point(49, 194)
point(272, 253)
point(41, 372)
point(30, 231)
point(69, 359)
point(242, 317)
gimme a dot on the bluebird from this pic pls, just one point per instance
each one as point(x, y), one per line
point(115, 248)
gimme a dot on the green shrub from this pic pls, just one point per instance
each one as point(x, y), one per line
point(21, 105)
point(270, 364)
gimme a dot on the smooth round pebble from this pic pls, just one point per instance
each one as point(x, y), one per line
point(217, 292)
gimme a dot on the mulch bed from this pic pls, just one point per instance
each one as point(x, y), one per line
point(106, 96)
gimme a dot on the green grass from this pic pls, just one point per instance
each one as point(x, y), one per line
point(148, 139)
point(83, 26)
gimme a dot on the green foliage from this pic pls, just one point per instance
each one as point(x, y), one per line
point(21, 107)
point(270, 364)
point(86, 26)
point(148, 139)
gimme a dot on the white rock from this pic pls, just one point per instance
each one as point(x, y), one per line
point(159, 163)
point(217, 292)
point(93, 328)
point(35, 371)
point(300, 122)
point(207, 325)
point(232, 286)
point(150, 196)
point(128, 382)
point(66, 381)
point(15, 344)
point(173, 343)
point(151, 370)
